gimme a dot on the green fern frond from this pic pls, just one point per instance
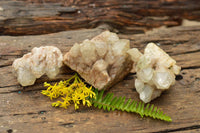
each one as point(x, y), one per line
point(109, 102)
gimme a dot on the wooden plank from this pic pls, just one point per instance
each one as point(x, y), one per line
point(26, 110)
point(41, 16)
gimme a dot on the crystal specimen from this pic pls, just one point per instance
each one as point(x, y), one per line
point(155, 71)
point(101, 61)
point(43, 60)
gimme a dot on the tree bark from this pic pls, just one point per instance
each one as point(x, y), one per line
point(32, 17)
point(27, 110)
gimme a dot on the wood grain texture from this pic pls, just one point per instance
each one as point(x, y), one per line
point(26, 110)
point(32, 17)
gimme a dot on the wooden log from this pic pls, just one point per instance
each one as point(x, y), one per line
point(27, 110)
point(32, 17)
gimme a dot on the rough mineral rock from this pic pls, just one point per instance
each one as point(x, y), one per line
point(43, 60)
point(101, 61)
point(155, 71)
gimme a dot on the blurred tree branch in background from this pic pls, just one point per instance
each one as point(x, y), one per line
point(32, 17)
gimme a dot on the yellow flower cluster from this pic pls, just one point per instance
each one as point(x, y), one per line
point(73, 90)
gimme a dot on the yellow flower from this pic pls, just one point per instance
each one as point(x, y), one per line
point(70, 92)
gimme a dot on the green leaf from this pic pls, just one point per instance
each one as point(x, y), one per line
point(111, 103)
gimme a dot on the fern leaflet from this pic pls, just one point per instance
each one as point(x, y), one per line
point(109, 102)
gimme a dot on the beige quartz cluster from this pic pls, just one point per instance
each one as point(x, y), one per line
point(155, 71)
point(101, 61)
point(43, 60)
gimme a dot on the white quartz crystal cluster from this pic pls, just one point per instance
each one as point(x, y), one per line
point(101, 61)
point(155, 71)
point(43, 60)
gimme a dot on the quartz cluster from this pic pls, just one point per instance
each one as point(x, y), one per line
point(43, 60)
point(155, 71)
point(101, 61)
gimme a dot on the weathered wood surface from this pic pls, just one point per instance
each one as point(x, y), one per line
point(130, 16)
point(26, 110)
